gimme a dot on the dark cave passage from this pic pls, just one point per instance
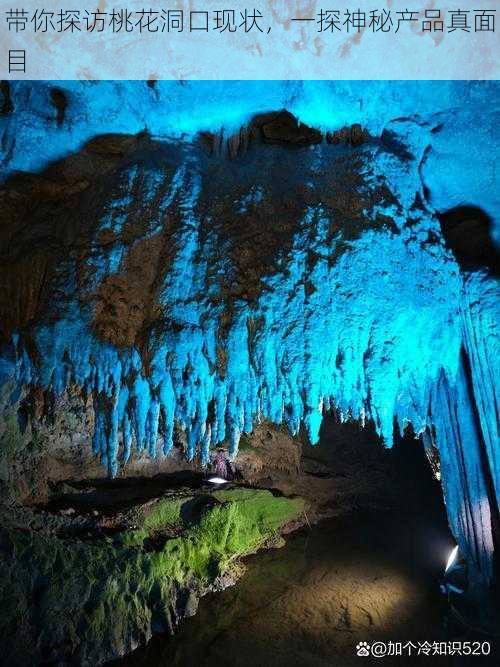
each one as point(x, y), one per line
point(468, 233)
point(108, 496)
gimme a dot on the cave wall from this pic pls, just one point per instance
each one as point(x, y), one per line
point(222, 267)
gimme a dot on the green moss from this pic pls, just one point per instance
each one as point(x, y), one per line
point(259, 506)
point(107, 592)
point(165, 513)
point(240, 522)
point(243, 521)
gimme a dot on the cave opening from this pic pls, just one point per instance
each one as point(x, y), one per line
point(468, 232)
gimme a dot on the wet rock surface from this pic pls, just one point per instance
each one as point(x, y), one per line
point(310, 603)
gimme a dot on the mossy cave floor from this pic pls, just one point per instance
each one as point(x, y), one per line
point(84, 596)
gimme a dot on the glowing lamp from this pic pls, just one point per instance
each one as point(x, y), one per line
point(451, 558)
point(217, 480)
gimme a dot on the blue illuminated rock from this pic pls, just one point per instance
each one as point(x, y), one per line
point(219, 283)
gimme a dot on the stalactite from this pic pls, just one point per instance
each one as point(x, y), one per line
point(364, 311)
point(340, 330)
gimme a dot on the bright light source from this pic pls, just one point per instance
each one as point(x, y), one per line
point(451, 558)
point(217, 480)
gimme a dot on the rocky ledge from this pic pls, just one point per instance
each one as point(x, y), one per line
point(86, 588)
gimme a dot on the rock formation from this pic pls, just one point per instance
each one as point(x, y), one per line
point(201, 281)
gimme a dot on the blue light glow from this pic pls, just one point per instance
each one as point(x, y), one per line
point(388, 328)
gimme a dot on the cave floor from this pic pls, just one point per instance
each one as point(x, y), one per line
point(365, 567)
point(369, 573)
point(369, 577)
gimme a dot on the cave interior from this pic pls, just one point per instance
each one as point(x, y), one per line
point(294, 285)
